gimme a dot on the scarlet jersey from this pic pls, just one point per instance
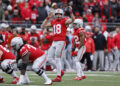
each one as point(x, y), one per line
point(76, 36)
point(6, 54)
point(116, 40)
point(34, 36)
point(59, 29)
point(46, 42)
point(34, 52)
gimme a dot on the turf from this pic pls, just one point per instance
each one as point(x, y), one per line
point(93, 79)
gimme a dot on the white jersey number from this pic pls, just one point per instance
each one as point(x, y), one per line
point(30, 46)
point(57, 29)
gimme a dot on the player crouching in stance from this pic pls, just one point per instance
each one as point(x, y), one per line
point(7, 59)
point(78, 46)
point(29, 54)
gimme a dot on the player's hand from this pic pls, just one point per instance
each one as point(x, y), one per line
point(50, 14)
point(70, 8)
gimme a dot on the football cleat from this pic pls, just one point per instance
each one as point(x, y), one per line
point(84, 77)
point(57, 79)
point(77, 78)
point(16, 79)
point(22, 80)
point(48, 82)
point(1, 80)
point(62, 73)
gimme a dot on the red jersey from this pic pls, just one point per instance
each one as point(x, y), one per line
point(90, 46)
point(46, 42)
point(34, 52)
point(6, 54)
point(76, 36)
point(117, 40)
point(34, 36)
point(59, 29)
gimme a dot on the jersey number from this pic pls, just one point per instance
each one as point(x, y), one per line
point(29, 46)
point(57, 29)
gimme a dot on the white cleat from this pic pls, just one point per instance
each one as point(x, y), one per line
point(48, 82)
point(23, 80)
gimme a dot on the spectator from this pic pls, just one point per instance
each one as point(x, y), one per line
point(78, 6)
point(7, 15)
point(1, 11)
point(89, 16)
point(41, 12)
point(111, 22)
point(47, 6)
point(100, 45)
point(106, 11)
point(77, 15)
point(26, 13)
point(113, 6)
point(103, 20)
point(96, 9)
point(118, 11)
point(96, 20)
point(15, 18)
point(34, 3)
point(34, 15)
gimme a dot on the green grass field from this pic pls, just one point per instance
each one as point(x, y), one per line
point(93, 79)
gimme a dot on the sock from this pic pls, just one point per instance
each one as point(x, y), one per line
point(14, 74)
point(44, 76)
point(78, 68)
point(58, 66)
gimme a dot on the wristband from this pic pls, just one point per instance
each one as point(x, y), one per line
point(48, 18)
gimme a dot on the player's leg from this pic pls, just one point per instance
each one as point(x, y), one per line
point(51, 56)
point(60, 46)
point(7, 66)
point(65, 61)
point(38, 63)
point(79, 56)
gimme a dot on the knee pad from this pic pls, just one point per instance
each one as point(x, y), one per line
point(38, 71)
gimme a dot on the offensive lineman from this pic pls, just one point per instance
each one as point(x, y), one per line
point(29, 54)
point(78, 47)
point(6, 61)
point(59, 25)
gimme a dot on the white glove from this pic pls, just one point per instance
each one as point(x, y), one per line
point(115, 48)
point(91, 57)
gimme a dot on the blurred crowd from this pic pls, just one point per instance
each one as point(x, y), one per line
point(35, 11)
point(102, 52)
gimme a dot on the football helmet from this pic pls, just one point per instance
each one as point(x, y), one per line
point(16, 43)
point(59, 11)
point(78, 23)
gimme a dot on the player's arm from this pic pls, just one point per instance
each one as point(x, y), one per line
point(25, 61)
point(1, 53)
point(70, 20)
point(45, 23)
point(82, 37)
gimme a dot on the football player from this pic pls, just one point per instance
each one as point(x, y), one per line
point(7, 60)
point(59, 25)
point(29, 54)
point(78, 46)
